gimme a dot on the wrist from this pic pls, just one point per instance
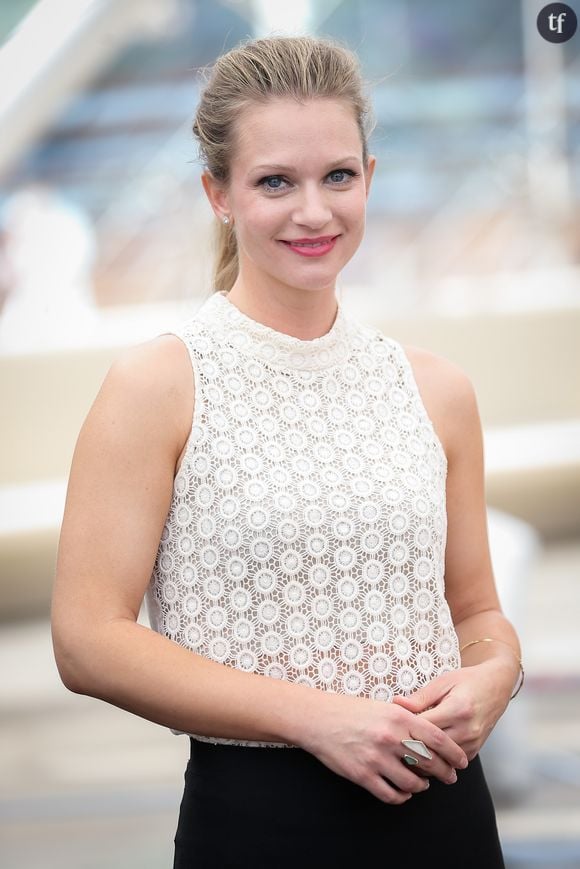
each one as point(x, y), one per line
point(500, 655)
point(304, 714)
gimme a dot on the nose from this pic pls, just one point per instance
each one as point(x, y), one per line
point(312, 209)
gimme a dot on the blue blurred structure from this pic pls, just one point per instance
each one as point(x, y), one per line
point(454, 90)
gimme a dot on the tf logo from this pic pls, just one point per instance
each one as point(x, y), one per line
point(557, 22)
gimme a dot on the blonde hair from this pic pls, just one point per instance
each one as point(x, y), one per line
point(256, 71)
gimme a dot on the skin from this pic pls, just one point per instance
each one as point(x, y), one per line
point(290, 293)
point(132, 443)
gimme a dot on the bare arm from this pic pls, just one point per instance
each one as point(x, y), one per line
point(468, 703)
point(119, 493)
point(469, 579)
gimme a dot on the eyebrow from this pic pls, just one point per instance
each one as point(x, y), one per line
point(281, 168)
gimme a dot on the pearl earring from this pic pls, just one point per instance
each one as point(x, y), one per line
point(226, 219)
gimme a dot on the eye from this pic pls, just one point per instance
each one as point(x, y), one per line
point(265, 182)
point(268, 178)
point(348, 172)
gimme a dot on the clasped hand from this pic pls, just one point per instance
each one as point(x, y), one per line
point(365, 740)
point(465, 704)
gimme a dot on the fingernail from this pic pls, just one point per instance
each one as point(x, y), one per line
point(453, 779)
point(426, 786)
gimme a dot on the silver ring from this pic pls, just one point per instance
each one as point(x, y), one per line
point(418, 747)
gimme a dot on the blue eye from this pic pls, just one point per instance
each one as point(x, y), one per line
point(350, 173)
point(270, 178)
point(264, 182)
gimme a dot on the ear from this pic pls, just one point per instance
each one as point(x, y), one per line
point(216, 194)
point(370, 172)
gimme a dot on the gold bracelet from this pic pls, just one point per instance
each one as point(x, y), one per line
point(519, 660)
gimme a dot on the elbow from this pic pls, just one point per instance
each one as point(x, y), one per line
point(70, 681)
point(69, 675)
point(68, 660)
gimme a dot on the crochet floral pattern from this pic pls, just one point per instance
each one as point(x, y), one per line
point(305, 538)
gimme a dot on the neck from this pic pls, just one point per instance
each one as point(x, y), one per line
point(301, 314)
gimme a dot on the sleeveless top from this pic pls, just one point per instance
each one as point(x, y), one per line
point(306, 535)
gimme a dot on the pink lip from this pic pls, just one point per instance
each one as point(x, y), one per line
point(321, 238)
point(326, 244)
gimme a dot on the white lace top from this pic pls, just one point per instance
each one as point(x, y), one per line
point(306, 534)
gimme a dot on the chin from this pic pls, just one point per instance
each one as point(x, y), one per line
point(314, 285)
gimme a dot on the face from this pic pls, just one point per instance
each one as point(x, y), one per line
point(297, 174)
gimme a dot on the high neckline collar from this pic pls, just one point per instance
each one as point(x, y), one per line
point(253, 338)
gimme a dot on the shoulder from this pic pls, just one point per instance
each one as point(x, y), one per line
point(158, 368)
point(151, 382)
point(438, 373)
point(448, 394)
point(159, 362)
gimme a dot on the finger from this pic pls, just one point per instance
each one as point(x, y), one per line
point(403, 777)
point(427, 766)
point(411, 704)
point(426, 697)
point(439, 743)
point(414, 782)
point(384, 790)
point(445, 755)
point(401, 780)
point(440, 770)
point(448, 719)
point(463, 730)
point(454, 730)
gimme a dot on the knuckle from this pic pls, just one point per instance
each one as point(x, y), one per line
point(476, 732)
point(382, 791)
point(399, 715)
point(466, 709)
point(386, 738)
point(456, 756)
point(400, 800)
point(416, 787)
point(438, 739)
point(368, 781)
point(395, 798)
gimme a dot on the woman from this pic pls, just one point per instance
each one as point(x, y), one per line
point(301, 501)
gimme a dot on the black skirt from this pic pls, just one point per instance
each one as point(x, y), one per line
point(282, 808)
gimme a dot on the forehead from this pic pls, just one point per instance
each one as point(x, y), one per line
point(282, 130)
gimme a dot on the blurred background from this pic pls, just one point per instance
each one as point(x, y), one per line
point(472, 250)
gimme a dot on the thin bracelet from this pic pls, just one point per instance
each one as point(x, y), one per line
point(519, 660)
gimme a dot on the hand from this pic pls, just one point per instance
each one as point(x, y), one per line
point(465, 704)
point(360, 739)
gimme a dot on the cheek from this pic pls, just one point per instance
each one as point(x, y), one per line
point(273, 215)
point(262, 221)
point(359, 212)
point(356, 206)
